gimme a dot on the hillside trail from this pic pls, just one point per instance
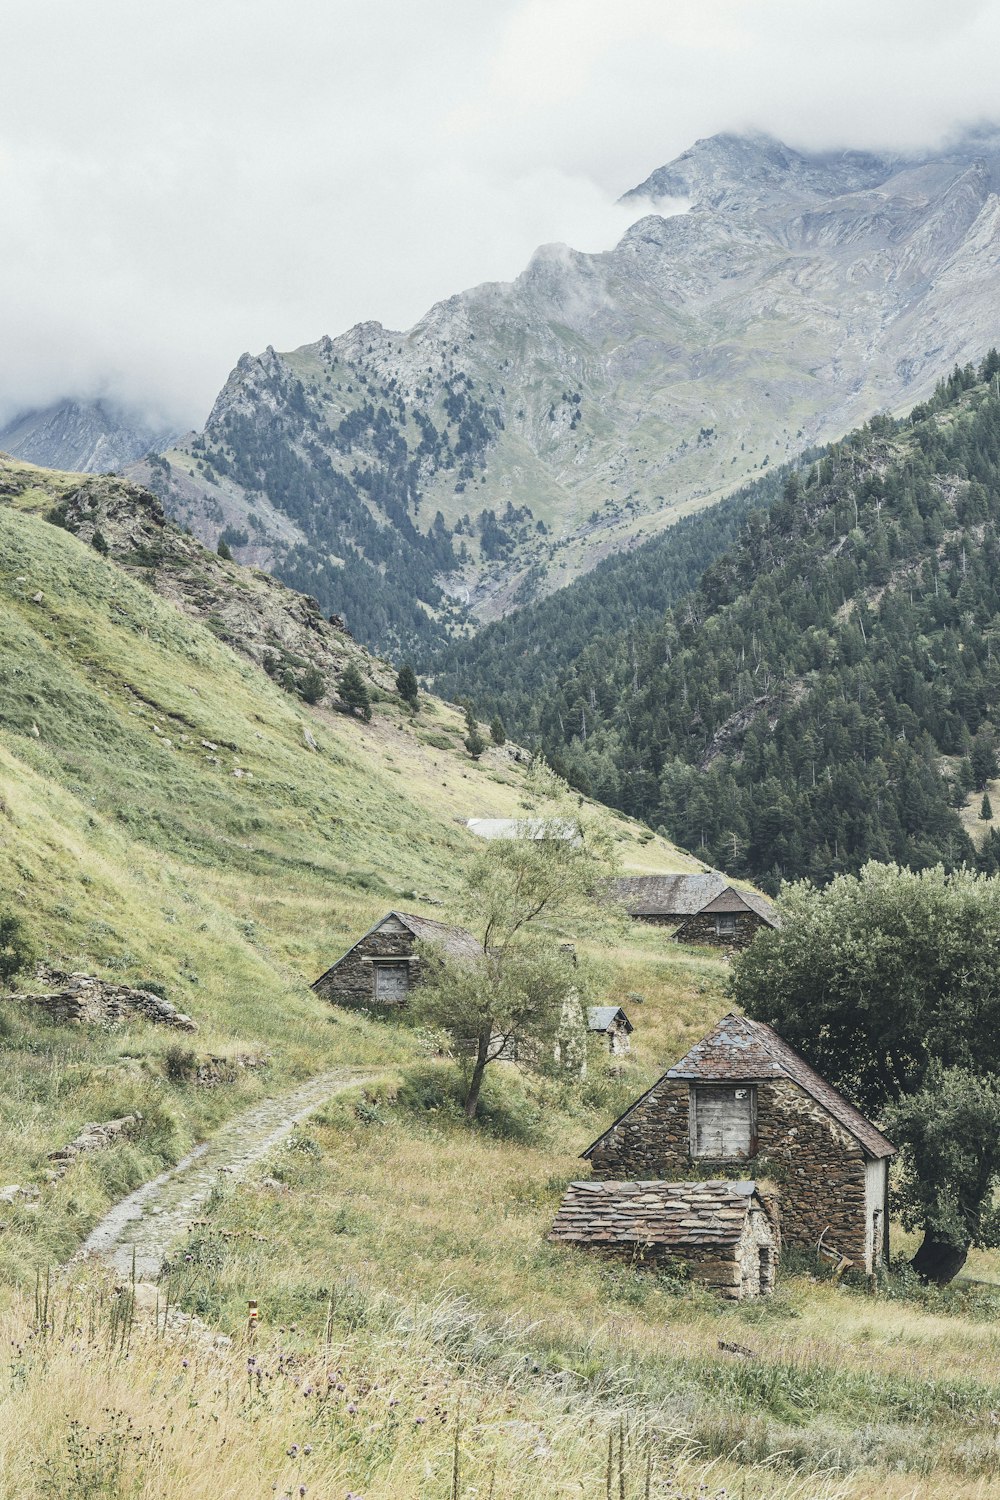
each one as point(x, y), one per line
point(156, 1215)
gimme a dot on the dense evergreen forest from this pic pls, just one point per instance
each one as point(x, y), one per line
point(829, 690)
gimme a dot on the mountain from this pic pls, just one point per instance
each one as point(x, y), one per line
point(88, 437)
point(418, 482)
point(825, 694)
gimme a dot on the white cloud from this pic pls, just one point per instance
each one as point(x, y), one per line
point(180, 181)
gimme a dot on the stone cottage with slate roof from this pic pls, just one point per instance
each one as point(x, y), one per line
point(612, 1024)
point(703, 908)
point(377, 972)
point(726, 1233)
point(743, 1095)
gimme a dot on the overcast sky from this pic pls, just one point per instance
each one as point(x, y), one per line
point(182, 181)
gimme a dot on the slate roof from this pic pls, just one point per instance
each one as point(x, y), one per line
point(682, 1215)
point(602, 1017)
point(456, 941)
point(667, 895)
point(687, 896)
point(739, 1050)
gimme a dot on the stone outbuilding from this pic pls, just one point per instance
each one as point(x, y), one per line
point(378, 971)
point(703, 909)
point(725, 1233)
point(612, 1025)
point(743, 1096)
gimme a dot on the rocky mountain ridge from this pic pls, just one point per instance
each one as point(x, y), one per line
point(521, 431)
point(87, 437)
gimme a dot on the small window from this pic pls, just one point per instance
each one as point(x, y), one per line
point(392, 982)
point(725, 925)
point(723, 1121)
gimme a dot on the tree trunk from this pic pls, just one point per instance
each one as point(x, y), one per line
point(478, 1071)
point(938, 1260)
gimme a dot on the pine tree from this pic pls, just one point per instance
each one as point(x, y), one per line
point(406, 685)
point(312, 684)
point(986, 810)
point(498, 733)
point(223, 550)
point(474, 743)
point(354, 692)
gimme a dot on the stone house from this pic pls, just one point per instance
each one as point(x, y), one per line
point(725, 1233)
point(704, 909)
point(744, 1096)
point(378, 970)
point(614, 1027)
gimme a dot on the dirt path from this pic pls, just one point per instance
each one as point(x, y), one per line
point(152, 1218)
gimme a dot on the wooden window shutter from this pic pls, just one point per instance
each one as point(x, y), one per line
point(723, 1121)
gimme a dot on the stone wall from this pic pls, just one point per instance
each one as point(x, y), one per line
point(352, 981)
point(700, 930)
point(817, 1164)
point(76, 998)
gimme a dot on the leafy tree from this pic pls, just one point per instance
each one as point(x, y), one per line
point(224, 551)
point(878, 981)
point(519, 895)
point(354, 691)
point(498, 733)
point(949, 1135)
point(474, 742)
point(986, 809)
point(16, 950)
point(312, 684)
point(406, 685)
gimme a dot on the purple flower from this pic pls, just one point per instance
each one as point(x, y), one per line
point(292, 1450)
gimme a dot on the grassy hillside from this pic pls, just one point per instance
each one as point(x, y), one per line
point(133, 849)
point(420, 1338)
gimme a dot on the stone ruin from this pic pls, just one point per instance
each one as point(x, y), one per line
point(69, 998)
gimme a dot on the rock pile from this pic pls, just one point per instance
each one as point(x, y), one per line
point(96, 1136)
point(71, 998)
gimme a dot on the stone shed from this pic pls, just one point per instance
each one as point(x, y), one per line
point(743, 1099)
point(725, 1233)
point(378, 970)
point(703, 909)
point(612, 1025)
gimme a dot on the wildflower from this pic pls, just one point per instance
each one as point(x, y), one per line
point(307, 1391)
point(184, 1364)
point(292, 1450)
point(351, 1409)
point(308, 1448)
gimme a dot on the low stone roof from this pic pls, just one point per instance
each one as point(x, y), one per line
point(739, 1050)
point(687, 896)
point(602, 1017)
point(455, 941)
point(681, 1215)
point(667, 895)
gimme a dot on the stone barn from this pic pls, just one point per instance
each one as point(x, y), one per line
point(613, 1026)
point(703, 909)
point(378, 970)
point(744, 1096)
point(725, 1233)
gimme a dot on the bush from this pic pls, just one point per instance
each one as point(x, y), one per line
point(312, 684)
point(16, 950)
point(180, 1063)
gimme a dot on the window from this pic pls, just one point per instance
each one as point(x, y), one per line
point(392, 982)
point(725, 925)
point(723, 1119)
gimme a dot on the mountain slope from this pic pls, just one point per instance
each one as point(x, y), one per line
point(520, 432)
point(828, 693)
point(172, 816)
point(92, 437)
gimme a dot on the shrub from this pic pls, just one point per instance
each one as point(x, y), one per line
point(505, 1108)
point(16, 949)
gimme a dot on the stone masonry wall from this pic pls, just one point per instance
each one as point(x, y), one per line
point(700, 930)
point(353, 981)
point(817, 1164)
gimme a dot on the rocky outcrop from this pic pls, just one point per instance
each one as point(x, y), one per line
point(78, 998)
point(96, 1136)
point(278, 629)
point(85, 437)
